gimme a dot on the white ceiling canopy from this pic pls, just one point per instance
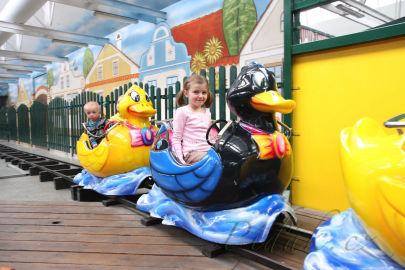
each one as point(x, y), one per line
point(37, 32)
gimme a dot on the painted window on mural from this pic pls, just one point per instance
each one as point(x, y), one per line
point(171, 81)
point(282, 22)
point(100, 72)
point(67, 81)
point(61, 83)
point(115, 68)
point(276, 69)
point(152, 83)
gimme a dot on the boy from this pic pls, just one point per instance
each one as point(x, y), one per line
point(95, 126)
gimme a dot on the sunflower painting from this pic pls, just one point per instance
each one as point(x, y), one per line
point(198, 62)
point(213, 50)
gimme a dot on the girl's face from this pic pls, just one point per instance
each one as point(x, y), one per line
point(197, 95)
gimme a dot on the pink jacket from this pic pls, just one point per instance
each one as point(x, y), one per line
point(189, 130)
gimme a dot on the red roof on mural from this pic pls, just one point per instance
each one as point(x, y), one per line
point(39, 89)
point(195, 34)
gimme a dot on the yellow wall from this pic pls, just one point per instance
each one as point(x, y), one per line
point(337, 87)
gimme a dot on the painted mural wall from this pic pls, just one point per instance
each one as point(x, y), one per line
point(197, 35)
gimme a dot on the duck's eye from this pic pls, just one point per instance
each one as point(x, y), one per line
point(135, 96)
point(147, 97)
point(260, 80)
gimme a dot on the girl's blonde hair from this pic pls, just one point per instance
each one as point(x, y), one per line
point(198, 79)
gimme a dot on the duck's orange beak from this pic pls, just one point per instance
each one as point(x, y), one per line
point(272, 101)
point(143, 109)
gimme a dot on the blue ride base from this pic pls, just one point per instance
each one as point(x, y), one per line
point(239, 226)
point(342, 243)
point(119, 184)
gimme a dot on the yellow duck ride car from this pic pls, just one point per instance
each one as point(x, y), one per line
point(373, 162)
point(126, 145)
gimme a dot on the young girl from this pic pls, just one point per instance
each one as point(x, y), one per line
point(191, 122)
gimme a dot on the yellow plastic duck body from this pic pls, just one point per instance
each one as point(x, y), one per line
point(126, 145)
point(373, 161)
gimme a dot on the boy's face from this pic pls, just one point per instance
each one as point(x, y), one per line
point(92, 112)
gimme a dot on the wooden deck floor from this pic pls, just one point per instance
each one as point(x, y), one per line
point(78, 235)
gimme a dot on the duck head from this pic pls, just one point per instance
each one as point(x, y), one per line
point(136, 107)
point(254, 94)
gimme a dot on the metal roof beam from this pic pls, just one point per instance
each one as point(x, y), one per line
point(41, 62)
point(29, 30)
point(31, 56)
point(23, 67)
point(7, 81)
point(118, 8)
point(9, 75)
point(18, 72)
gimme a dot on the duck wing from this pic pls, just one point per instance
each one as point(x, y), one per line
point(391, 192)
point(91, 159)
point(187, 183)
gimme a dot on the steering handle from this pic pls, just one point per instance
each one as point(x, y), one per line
point(210, 127)
point(394, 122)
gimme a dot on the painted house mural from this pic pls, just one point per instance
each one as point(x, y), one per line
point(265, 44)
point(111, 69)
point(196, 35)
point(70, 82)
point(205, 42)
point(165, 62)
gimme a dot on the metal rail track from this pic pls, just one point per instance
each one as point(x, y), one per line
point(62, 174)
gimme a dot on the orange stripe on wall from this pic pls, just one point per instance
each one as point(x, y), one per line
point(117, 79)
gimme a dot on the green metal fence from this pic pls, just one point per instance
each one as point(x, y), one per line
point(23, 124)
point(4, 130)
point(39, 119)
point(12, 123)
point(59, 125)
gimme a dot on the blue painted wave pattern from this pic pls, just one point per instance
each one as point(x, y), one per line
point(119, 184)
point(187, 183)
point(342, 243)
point(239, 226)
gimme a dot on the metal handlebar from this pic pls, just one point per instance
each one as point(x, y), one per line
point(287, 128)
point(394, 122)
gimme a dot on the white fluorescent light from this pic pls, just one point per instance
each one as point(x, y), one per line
point(350, 11)
point(114, 17)
point(70, 43)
